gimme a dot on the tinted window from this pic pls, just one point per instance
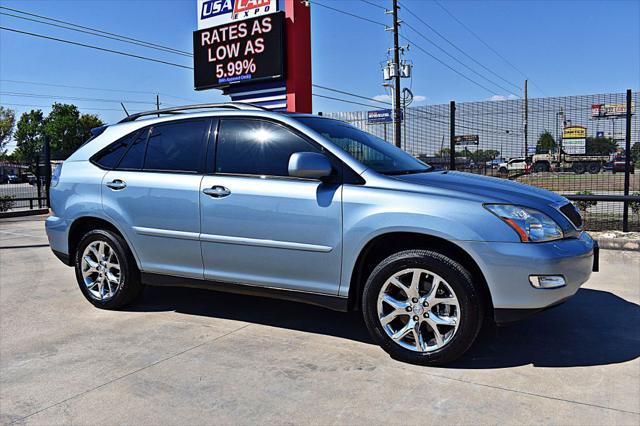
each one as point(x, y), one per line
point(368, 149)
point(133, 159)
point(109, 157)
point(176, 146)
point(257, 147)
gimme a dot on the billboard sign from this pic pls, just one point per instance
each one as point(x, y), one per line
point(574, 140)
point(574, 132)
point(465, 140)
point(381, 116)
point(610, 110)
point(239, 51)
point(574, 146)
point(217, 12)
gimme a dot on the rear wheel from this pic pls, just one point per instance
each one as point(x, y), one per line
point(106, 271)
point(540, 167)
point(593, 168)
point(422, 307)
point(578, 168)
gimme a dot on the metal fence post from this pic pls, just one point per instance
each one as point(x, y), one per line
point(627, 164)
point(46, 150)
point(452, 131)
point(38, 181)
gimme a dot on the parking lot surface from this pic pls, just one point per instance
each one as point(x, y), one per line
point(186, 356)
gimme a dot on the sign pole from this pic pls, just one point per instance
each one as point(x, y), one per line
point(298, 63)
point(396, 82)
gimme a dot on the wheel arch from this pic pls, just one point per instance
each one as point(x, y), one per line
point(382, 246)
point(83, 224)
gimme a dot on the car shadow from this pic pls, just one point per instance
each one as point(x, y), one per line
point(592, 328)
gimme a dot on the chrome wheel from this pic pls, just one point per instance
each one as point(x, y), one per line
point(418, 310)
point(101, 270)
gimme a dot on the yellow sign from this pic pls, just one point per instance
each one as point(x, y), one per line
point(574, 132)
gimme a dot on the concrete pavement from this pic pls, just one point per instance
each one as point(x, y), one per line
point(186, 356)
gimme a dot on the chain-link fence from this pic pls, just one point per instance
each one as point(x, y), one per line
point(574, 145)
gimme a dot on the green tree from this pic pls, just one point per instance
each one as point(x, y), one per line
point(68, 129)
point(546, 143)
point(600, 146)
point(444, 152)
point(7, 121)
point(28, 135)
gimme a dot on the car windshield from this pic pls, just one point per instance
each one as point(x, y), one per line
point(369, 150)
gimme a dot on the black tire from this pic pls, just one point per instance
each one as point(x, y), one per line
point(503, 171)
point(593, 168)
point(578, 168)
point(130, 284)
point(540, 167)
point(461, 282)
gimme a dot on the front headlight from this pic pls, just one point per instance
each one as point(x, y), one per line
point(530, 224)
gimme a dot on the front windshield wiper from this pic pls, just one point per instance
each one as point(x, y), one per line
point(407, 172)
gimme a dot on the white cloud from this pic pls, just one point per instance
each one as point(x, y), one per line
point(502, 97)
point(387, 98)
point(382, 98)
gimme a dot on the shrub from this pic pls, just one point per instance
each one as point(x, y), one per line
point(583, 205)
point(635, 205)
point(6, 202)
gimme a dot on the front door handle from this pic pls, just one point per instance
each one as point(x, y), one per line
point(217, 191)
point(117, 184)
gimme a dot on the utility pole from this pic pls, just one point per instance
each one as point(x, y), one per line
point(158, 102)
point(396, 91)
point(526, 120)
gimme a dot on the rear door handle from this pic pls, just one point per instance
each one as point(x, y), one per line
point(217, 191)
point(117, 184)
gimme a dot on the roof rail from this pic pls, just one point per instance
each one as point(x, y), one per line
point(176, 110)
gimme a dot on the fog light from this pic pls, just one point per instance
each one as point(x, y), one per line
point(547, 281)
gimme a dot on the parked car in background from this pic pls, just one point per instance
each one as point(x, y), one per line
point(13, 179)
point(241, 199)
point(618, 165)
point(514, 166)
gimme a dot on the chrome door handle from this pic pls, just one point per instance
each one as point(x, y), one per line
point(117, 184)
point(217, 191)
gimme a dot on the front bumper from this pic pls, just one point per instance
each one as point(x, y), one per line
point(508, 266)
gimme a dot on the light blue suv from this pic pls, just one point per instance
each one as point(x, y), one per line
point(235, 198)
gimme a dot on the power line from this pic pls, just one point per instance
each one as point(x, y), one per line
point(459, 49)
point(449, 66)
point(95, 47)
point(350, 94)
point(485, 43)
point(72, 98)
point(373, 4)
point(349, 14)
point(77, 26)
point(343, 100)
point(459, 61)
point(97, 88)
point(81, 108)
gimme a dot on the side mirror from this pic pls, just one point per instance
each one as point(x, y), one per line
point(309, 165)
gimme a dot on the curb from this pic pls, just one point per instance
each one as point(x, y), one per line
point(21, 213)
point(618, 244)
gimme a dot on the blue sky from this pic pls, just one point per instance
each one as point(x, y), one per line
point(564, 47)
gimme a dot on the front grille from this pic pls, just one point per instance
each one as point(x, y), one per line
point(570, 211)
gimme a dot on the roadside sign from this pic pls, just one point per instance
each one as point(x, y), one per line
point(240, 51)
point(574, 132)
point(465, 140)
point(574, 140)
point(610, 110)
point(381, 116)
point(217, 12)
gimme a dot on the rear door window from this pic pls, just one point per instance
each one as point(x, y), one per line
point(176, 146)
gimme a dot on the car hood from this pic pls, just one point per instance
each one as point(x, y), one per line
point(488, 189)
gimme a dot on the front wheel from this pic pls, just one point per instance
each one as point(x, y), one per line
point(106, 270)
point(422, 307)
